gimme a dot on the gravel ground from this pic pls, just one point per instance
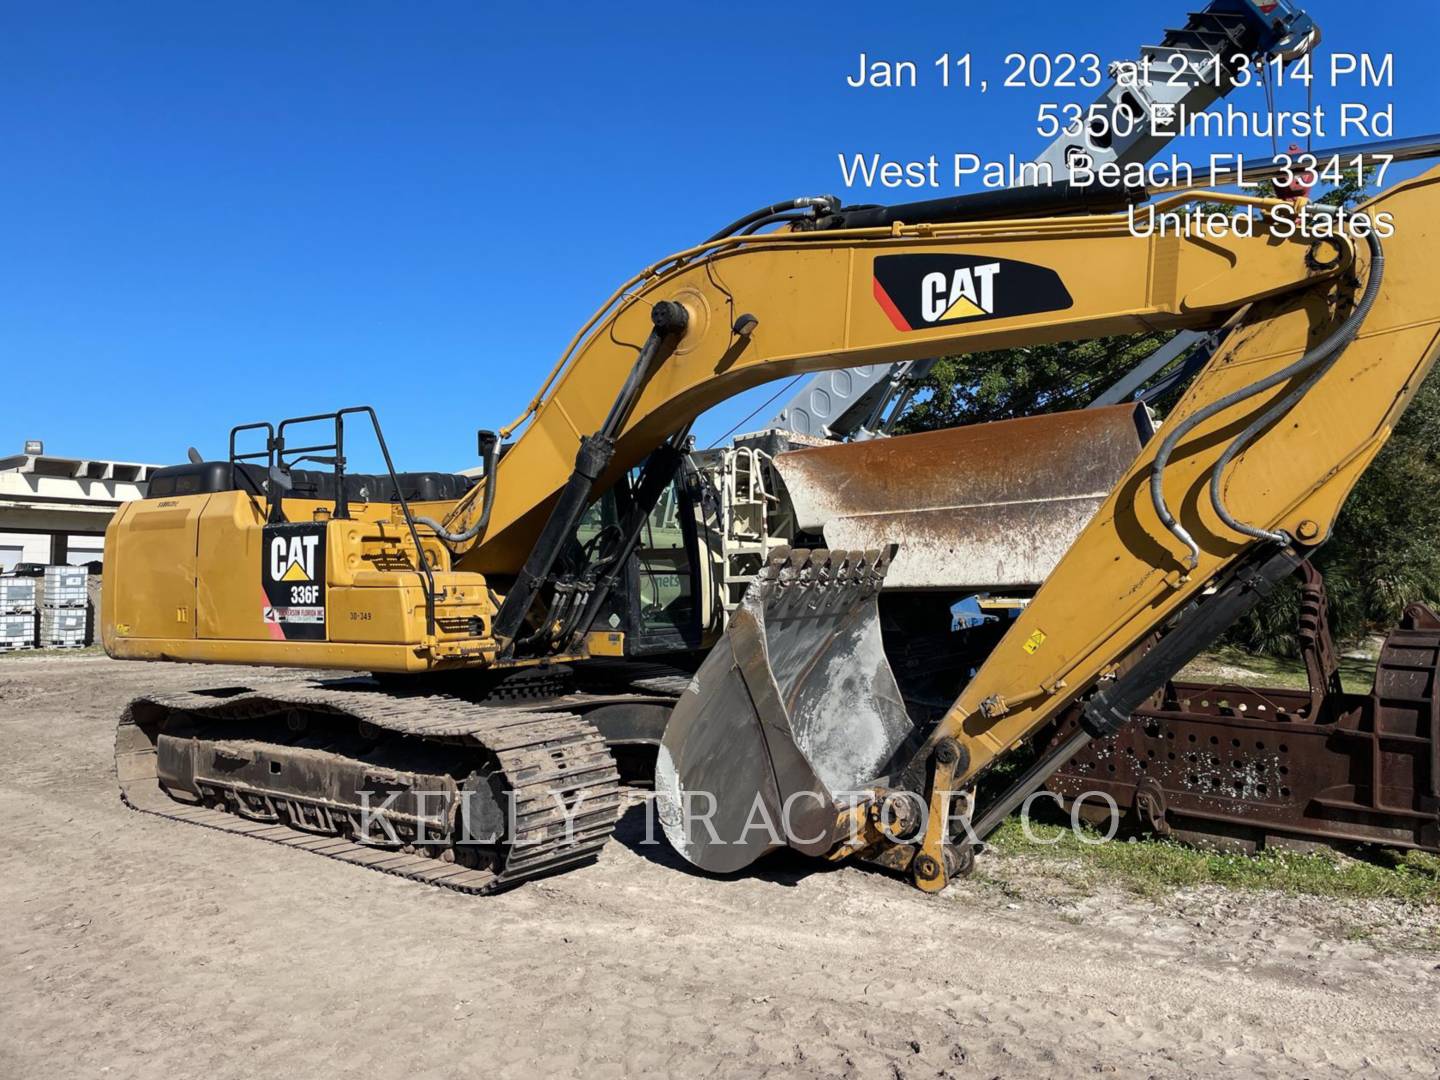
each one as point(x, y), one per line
point(137, 946)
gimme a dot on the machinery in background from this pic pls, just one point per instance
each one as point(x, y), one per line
point(1251, 767)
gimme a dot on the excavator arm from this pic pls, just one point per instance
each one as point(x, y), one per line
point(1279, 462)
point(743, 310)
point(1245, 479)
point(680, 337)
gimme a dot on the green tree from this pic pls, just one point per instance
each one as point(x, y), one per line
point(1385, 551)
point(1006, 383)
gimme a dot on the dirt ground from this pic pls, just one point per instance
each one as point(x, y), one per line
point(137, 946)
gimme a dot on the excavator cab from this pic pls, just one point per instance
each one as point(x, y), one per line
point(662, 602)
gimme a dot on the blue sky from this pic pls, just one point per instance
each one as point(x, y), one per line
point(216, 213)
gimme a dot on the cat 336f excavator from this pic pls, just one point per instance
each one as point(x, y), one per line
point(495, 629)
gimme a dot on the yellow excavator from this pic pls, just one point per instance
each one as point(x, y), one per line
point(499, 637)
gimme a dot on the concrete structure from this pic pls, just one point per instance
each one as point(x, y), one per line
point(54, 510)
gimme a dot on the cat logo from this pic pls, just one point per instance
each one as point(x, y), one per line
point(292, 581)
point(969, 291)
point(921, 291)
point(292, 558)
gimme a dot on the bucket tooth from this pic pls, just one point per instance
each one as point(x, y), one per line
point(792, 716)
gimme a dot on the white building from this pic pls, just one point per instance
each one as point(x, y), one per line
point(54, 510)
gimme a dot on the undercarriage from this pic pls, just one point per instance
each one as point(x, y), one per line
point(472, 795)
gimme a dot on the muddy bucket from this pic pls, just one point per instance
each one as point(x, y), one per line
point(792, 715)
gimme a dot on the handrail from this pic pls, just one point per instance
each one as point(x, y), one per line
point(274, 456)
point(267, 454)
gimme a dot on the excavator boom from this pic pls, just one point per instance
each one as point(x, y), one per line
point(831, 298)
point(733, 313)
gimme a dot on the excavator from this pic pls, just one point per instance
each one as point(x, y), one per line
point(498, 644)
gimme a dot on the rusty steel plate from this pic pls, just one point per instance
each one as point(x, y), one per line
point(986, 506)
point(1254, 767)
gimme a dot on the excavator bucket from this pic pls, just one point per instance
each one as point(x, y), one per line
point(793, 712)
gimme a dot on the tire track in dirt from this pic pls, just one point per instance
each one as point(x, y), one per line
point(144, 947)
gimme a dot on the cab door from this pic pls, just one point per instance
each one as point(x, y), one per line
point(663, 587)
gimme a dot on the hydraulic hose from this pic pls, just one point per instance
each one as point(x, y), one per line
point(592, 458)
point(1029, 200)
point(490, 443)
point(1348, 331)
point(813, 203)
point(1315, 363)
point(774, 219)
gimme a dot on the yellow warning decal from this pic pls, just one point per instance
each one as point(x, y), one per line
point(1034, 641)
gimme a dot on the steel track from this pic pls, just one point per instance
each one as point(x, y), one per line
point(567, 793)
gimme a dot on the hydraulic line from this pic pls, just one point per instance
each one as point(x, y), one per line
point(489, 448)
point(814, 204)
point(1284, 405)
point(1038, 200)
point(774, 219)
point(1314, 364)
